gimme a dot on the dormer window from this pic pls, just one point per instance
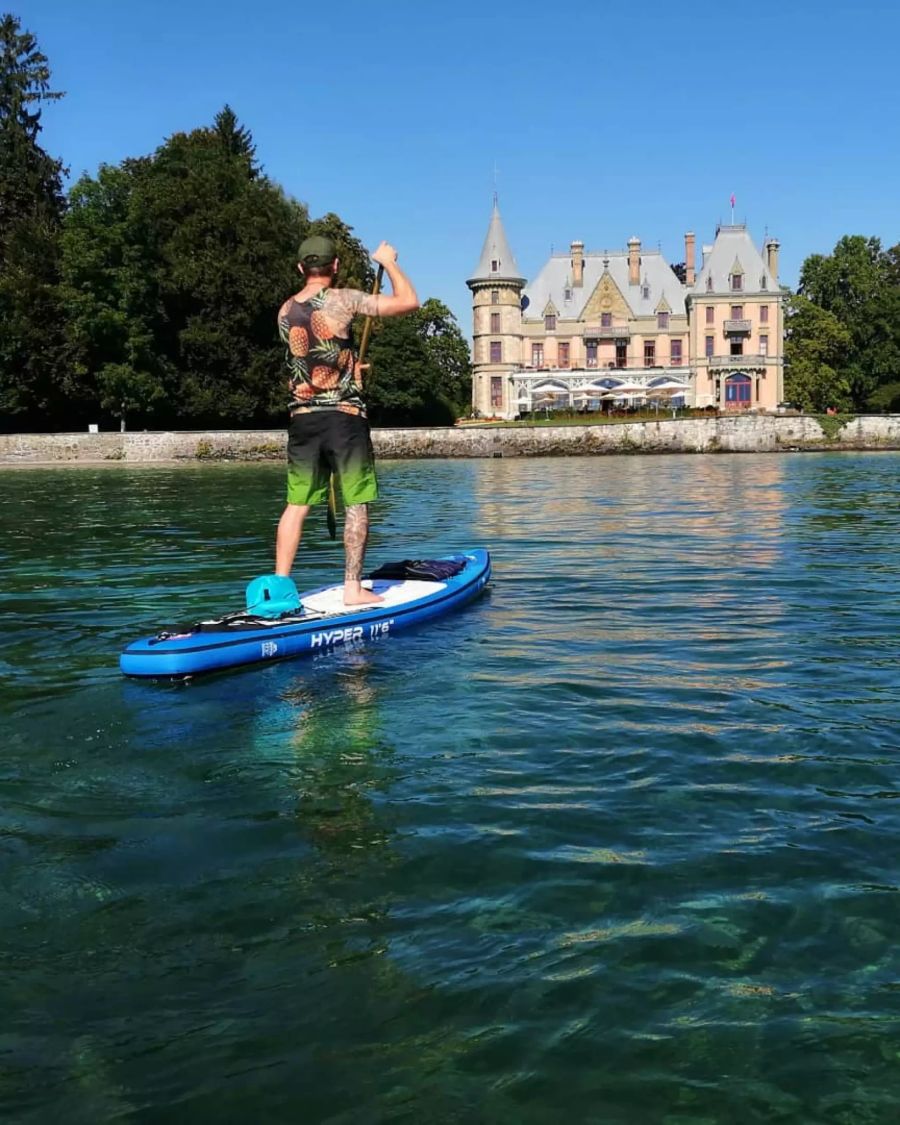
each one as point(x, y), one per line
point(662, 320)
point(645, 292)
point(737, 282)
point(709, 283)
point(763, 284)
point(495, 265)
point(550, 322)
point(568, 294)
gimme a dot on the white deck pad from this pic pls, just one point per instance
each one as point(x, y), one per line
point(330, 599)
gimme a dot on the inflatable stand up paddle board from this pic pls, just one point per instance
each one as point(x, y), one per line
point(414, 592)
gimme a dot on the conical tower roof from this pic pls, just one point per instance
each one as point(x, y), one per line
point(497, 262)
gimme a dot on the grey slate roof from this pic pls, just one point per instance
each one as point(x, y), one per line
point(496, 249)
point(733, 243)
point(555, 276)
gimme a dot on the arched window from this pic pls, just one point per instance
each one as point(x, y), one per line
point(737, 389)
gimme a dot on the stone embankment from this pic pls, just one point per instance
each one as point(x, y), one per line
point(747, 434)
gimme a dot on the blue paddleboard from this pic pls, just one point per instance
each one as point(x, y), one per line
point(323, 623)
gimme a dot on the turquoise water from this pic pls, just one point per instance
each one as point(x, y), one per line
point(617, 843)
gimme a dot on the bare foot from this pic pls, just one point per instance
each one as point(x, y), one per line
point(359, 595)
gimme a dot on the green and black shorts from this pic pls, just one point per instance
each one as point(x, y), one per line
point(324, 441)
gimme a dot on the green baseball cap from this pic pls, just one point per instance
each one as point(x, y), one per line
point(317, 250)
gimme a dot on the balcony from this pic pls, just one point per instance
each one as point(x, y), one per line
point(737, 327)
point(615, 332)
point(736, 362)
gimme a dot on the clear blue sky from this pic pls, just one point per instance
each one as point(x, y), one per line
point(604, 118)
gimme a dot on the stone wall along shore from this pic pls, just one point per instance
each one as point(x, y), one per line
point(747, 434)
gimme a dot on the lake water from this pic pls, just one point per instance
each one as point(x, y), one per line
point(616, 843)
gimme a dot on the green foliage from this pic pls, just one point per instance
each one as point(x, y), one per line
point(420, 373)
point(886, 398)
point(859, 283)
point(30, 179)
point(355, 271)
point(816, 349)
point(153, 296)
point(449, 352)
point(174, 267)
point(832, 424)
point(110, 289)
point(31, 208)
point(225, 239)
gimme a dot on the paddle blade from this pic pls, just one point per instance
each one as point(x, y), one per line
point(331, 514)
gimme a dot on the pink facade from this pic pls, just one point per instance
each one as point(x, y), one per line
point(626, 316)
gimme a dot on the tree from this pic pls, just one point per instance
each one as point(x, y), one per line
point(858, 284)
point(31, 208)
point(30, 179)
point(174, 268)
point(356, 271)
point(815, 352)
point(236, 139)
point(420, 373)
point(227, 239)
point(449, 353)
point(110, 289)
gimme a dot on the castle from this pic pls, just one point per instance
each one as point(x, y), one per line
point(622, 325)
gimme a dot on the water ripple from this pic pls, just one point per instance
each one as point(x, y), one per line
point(616, 843)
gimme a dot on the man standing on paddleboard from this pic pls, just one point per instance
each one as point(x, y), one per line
point(328, 429)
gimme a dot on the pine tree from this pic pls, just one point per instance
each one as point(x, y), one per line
point(236, 139)
point(31, 209)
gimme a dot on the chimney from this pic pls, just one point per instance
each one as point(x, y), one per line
point(772, 257)
point(690, 275)
point(634, 261)
point(577, 250)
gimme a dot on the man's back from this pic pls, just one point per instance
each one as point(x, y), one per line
point(320, 352)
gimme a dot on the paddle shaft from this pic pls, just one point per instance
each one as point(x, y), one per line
point(367, 327)
point(331, 513)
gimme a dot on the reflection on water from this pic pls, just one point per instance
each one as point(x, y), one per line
point(614, 843)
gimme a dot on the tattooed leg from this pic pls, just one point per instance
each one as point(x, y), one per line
point(356, 533)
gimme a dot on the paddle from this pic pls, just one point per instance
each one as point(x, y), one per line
point(331, 513)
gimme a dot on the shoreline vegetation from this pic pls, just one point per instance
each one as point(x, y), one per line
point(762, 433)
point(145, 292)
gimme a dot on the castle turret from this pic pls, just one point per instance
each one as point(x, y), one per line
point(496, 322)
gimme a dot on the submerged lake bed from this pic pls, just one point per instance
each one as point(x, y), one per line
point(617, 842)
